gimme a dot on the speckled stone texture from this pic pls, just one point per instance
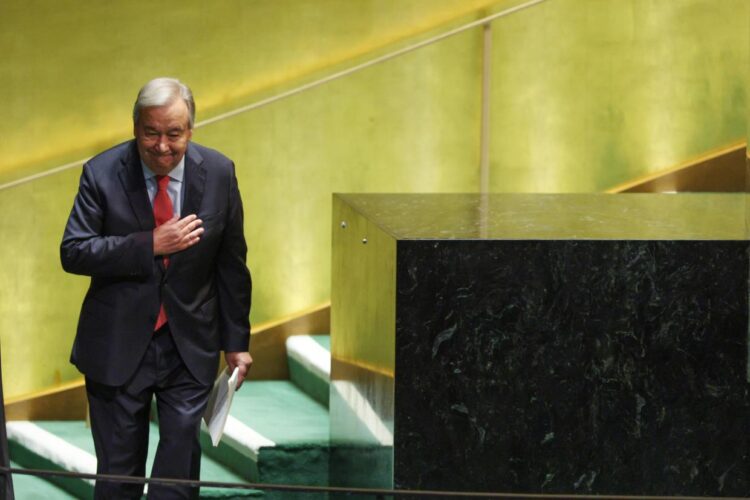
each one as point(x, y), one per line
point(605, 367)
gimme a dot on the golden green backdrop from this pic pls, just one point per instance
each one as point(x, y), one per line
point(585, 94)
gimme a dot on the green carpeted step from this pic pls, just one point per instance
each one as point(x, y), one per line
point(275, 433)
point(309, 360)
point(323, 340)
point(34, 447)
point(283, 413)
point(67, 445)
point(31, 487)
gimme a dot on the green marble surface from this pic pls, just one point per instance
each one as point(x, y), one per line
point(554, 216)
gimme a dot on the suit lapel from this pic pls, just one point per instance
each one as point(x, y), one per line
point(131, 176)
point(195, 183)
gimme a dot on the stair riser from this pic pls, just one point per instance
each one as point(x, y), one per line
point(30, 460)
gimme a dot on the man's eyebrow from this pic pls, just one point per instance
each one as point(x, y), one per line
point(178, 128)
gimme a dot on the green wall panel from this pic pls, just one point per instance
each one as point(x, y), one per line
point(69, 76)
point(39, 303)
point(70, 70)
point(405, 126)
point(588, 94)
point(585, 94)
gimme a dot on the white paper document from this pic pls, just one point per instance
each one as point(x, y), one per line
point(219, 402)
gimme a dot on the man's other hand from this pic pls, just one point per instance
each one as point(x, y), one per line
point(177, 234)
point(243, 360)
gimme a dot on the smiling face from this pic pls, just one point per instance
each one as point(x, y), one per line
point(162, 134)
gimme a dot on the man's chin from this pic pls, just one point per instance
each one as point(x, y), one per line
point(161, 164)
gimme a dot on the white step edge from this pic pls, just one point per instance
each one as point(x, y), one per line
point(310, 354)
point(69, 457)
point(243, 438)
point(55, 449)
point(350, 395)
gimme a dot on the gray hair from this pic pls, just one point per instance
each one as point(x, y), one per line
point(163, 91)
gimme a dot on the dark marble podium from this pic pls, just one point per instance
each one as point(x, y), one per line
point(541, 343)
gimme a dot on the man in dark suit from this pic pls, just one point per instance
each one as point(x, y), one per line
point(157, 223)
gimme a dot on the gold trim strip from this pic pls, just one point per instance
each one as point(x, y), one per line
point(365, 366)
point(51, 391)
point(267, 325)
point(704, 158)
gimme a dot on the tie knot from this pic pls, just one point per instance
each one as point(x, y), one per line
point(162, 181)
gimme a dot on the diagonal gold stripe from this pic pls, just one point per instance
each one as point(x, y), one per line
point(706, 157)
point(308, 86)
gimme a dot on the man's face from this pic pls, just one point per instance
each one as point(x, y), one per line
point(162, 134)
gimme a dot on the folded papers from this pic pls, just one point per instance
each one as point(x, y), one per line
point(219, 402)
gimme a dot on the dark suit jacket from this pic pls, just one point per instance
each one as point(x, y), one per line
point(206, 288)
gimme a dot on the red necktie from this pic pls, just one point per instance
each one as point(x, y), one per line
point(162, 213)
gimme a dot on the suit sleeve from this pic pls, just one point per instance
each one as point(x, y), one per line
point(233, 283)
point(86, 250)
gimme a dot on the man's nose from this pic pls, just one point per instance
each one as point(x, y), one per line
point(161, 144)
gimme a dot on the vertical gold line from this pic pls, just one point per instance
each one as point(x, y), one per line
point(484, 137)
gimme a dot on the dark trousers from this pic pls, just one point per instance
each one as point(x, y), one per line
point(120, 424)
